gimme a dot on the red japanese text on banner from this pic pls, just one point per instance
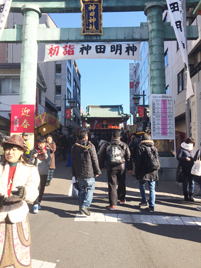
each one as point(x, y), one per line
point(68, 113)
point(22, 118)
point(140, 111)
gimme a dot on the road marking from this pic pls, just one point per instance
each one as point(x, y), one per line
point(135, 218)
point(42, 264)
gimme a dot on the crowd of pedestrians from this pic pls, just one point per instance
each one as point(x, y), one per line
point(24, 174)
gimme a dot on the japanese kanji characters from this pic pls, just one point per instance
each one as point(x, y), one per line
point(92, 51)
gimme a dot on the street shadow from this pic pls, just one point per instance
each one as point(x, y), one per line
point(172, 231)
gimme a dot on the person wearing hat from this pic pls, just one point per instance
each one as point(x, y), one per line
point(19, 182)
point(1, 148)
point(25, 138)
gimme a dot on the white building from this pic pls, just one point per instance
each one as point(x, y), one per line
point(56, 78)
point(175, 81)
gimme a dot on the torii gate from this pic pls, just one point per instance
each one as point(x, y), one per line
point(155, 31)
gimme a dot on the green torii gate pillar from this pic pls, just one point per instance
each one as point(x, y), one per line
point(29, 56)
point(156, 47)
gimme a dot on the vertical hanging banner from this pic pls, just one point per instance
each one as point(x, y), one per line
point(22, 118)
point(4, 11)
point(91, 17)
point(175, 8)
point(140, 111)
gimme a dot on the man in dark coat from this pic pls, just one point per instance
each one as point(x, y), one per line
point(142, 175)
point(116, 172)
point(85, 168)
point(133, 146)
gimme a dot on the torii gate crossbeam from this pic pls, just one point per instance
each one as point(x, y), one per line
point(155, 31)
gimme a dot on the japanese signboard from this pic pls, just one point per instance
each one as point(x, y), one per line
point(4, 11)
point(178, 22)
point(130, 51)
point(46, 118)
point(68, 113)
point(140, 111)
point(91, 17)
point(162, 116)
point(22, 118)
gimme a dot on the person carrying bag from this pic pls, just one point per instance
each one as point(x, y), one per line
point(185, 156)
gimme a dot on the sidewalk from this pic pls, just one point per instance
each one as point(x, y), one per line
point(62, 178)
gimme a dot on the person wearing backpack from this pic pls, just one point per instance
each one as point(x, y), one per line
point(146, 169)
point(117, 154)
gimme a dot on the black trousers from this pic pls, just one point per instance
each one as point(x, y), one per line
point(43, 180)
point(116, 177)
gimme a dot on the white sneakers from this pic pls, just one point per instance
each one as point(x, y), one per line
point(35, 209)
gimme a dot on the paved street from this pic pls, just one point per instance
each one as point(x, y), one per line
point(126, 237)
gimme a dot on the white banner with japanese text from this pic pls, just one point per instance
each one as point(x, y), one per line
point(129, 51)
point(176, 13)
point(4, 11)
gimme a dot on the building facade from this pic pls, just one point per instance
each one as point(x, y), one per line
point(57, 77)
point(175, 81)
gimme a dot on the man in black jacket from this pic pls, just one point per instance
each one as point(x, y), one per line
point(117, 154)
point(142, 173)
point(85, 168)
point(133, 146)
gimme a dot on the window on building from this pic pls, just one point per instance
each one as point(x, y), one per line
point(74, 83)
point(69, 76)
point(78, 91)
point(68, 94)
point(58, 92)
point(39, 96)
point(75, 118)
point(10, 86)
point(69, 61)
point(58, 68)
point(180, 79)
point(166, 58)
point(167, 89)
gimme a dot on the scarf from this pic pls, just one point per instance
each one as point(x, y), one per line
point(40, 152)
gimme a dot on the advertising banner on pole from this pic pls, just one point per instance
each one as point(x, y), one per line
point(140, 111)
point(22, 118)
point(129, 51)
point(176, 13)
point(68, 113)
point(4, 11)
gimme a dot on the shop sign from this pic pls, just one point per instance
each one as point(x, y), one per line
point(46, 118)
point(22, 118)
point(68, 113)
point(91, 17)
point(140, 111)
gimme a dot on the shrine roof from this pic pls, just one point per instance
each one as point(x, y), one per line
point(105, 111)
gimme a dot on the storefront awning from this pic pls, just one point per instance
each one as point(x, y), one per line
point(46, 123)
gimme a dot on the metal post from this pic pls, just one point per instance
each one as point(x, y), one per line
point(28, 72)
point(65, 111)
point(185, 67)
point(143, 104)
point(154, 12)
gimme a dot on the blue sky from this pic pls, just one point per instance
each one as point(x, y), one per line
point(103, 81)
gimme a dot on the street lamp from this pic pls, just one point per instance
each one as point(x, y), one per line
point(136, 99)
point(71, 103)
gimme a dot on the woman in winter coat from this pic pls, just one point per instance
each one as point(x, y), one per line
point(52, 146)
point(186, 156)
point(19, 183)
